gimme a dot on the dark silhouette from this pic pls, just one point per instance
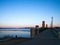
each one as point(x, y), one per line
point(16, 36)
point(32, 33)
point(37, 30)
point(43, 24)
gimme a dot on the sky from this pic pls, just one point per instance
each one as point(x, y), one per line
point(20, 13)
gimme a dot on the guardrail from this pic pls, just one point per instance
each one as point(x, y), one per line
point(56, 33)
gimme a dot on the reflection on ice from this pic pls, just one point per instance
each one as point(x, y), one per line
point(13, 34)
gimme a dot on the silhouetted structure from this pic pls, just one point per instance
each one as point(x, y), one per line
point(46, 26)
point(32, 33)
point(51, 22)
point(43, 24)
point(16, 36)
point(36, 30)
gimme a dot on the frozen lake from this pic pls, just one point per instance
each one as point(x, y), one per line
point(15, 32)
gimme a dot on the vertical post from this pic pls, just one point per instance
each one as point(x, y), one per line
point(51, 22)
point(32, 33)
point(37, 30)
point(16, 36)
point(43, 24)
point(46, 26)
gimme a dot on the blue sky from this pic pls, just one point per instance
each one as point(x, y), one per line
point(19, 13)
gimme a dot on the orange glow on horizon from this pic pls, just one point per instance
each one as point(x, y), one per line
point(25, 26)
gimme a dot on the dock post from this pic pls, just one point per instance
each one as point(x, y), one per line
point(32, 33)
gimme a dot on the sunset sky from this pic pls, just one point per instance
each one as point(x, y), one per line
point(20, 13)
